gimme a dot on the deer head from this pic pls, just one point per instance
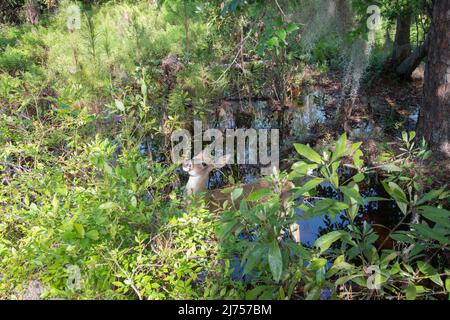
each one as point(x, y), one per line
point(199, 168)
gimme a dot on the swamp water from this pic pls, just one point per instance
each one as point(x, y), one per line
point(297, 123)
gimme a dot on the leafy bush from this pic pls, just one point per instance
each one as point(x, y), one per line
point(93, 225)
point(343, 258)
point(14, 60)
point(91, 209)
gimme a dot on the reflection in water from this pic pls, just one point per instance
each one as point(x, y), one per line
point(299, 124)
point(311, 229)
point(412, 120)
point(304, 117)
point(381, 215)
point(364, 129)
point(262, 116)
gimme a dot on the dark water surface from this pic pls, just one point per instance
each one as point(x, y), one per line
point(297, 123)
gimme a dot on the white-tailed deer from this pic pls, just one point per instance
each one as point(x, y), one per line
point(199, 169)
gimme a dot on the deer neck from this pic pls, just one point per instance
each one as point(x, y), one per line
point(196, 184)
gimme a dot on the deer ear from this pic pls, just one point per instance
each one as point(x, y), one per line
point(221, 161)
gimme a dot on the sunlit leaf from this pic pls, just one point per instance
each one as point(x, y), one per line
point(236, 193)
point(307, 152)
point(258, 194)
point(325, 241)
point(398, 194)
point(340, 148)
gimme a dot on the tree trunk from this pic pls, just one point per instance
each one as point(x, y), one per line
point(344, 14)
point(407, 67)
point(434, 120)
point(387, 46)
point(402, 42)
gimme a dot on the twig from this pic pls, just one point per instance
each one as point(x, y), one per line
point(128, 278)
point(392, 231)
point(234, 60)
point(281, 10)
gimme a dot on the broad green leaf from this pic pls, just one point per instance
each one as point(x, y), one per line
point(236, 193)
point(313, 294)
point(438, 215)
point(324, 205)
point(390, 167)
point(225, 229)
point(303, 167)
point(55, 204)
point(411, 292)
point(254, 293)
point(334, 178)
point(306, 187)
point(405, 136)
point(429, 271)
point(317, 263)
point(357, 161)
point(325, 241)
point(93, 235)
point(418, 248)
point(133, 201)
point(291, 27)
point(281, 34)
point(433, 194)
point(119, 105)
point(398, 194)
point(273, 42)
point(358, 177)
point(339, 150)
point(307, 152)
point(282, 294)
point(436, 278)
point(353, 148)
point(275, 260)
point(258, 194)
point(253, 257)
point(338, 265)
point(426, 268)
point(79, 229)
point(427, 232)
point(345, 279)
point(108, 205)
point(353, 193)
point(402, 237)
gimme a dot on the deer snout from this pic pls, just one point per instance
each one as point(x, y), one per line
point(187, 165)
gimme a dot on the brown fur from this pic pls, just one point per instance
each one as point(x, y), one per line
point(199, 168)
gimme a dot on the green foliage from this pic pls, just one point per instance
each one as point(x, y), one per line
point(258, 234)
point(88, 216)
point(97, 212)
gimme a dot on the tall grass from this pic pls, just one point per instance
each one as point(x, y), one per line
point(112, 42)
